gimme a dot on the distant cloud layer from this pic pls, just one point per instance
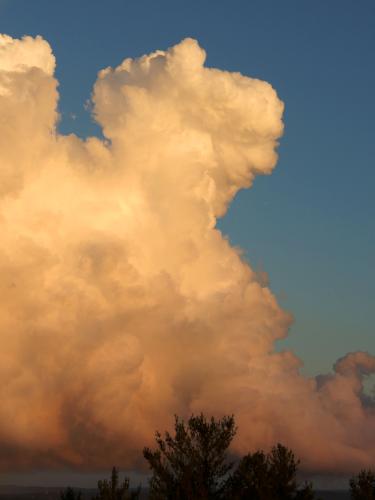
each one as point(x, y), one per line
point(121, 303)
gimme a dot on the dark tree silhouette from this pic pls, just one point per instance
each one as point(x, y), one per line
point(362, 486)
point(273, 476)
point(192, 464)
point(70, 494)
point(113, 490)
point(251, 478)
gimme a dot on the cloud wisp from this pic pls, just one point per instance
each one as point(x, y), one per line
point(122, 303)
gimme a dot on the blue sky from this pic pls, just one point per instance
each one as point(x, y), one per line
point(310, 225)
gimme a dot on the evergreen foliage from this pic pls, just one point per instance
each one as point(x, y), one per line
point(70, 494)
point(192, 465)
point(261, 476)
point(113, 490)
point(362, 486)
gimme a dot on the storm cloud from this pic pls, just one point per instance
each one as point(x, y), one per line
point(121, 302)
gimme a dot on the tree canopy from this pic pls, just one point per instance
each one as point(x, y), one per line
point(192, 464)
point(261, 476)
point(114, 490)
point(70, 494)
point(362, 486)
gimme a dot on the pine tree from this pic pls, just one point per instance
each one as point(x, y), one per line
point(362, 486)
point(70, 494)
point(113, 490)
point(193, 464)
point(259, 476)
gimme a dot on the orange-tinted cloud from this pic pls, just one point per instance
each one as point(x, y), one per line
point(122, 304)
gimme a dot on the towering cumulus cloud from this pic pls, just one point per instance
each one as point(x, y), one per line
point(121, 303)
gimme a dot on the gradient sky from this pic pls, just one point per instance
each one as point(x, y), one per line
point(310, 225)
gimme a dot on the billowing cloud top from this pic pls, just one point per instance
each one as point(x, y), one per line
point(21, 55)
point(122, 304)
